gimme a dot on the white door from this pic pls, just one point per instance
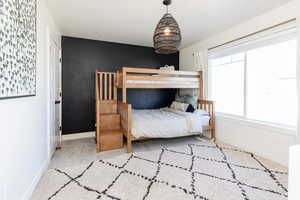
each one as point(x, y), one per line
point(55, 96)
point(58, 99)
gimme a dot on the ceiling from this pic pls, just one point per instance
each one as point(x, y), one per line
point(134, 21)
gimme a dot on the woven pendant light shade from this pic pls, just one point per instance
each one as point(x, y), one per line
point(167, 35)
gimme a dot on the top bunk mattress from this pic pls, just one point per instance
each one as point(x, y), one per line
point(166, 123)
point(157, 82)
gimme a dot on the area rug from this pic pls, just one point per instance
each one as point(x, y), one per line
point(200, 170)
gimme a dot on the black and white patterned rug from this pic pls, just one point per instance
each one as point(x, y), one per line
point(200, 170)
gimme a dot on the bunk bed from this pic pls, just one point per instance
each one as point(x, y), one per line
point(107, 84)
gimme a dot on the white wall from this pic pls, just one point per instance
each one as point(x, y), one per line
point(294, 173)
point(264, 141)
point(298, 22)
point(24, 140)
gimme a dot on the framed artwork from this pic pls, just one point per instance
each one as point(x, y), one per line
point(18, 48)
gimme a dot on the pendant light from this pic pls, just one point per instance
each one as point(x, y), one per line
point(167, 35)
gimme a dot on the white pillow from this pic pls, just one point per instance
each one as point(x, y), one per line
point(201, 112)
point(179, 106)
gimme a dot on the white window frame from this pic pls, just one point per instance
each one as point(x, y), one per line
point(278, 127)
point(209, 91)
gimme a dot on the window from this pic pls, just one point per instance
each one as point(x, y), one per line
point(228, 92)
point(258, 83)
point(271, 83)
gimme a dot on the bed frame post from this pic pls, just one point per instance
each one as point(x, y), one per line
point(209, 107)
point(213, 123)
point(129, 143)
point(129, 124)
point(125, 111)
point(97, 135)
point(124, 89)
point(201, 87)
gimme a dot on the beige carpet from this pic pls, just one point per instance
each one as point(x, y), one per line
point(195, 170)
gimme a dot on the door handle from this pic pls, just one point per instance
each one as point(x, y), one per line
point(57, 102)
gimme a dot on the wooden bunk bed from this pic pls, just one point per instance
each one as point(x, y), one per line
point(106, 95)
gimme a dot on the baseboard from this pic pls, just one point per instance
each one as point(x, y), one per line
point(256, 153)
point(77, 136)
point(36, 180)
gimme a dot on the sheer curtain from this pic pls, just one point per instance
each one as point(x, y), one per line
point(200, 63)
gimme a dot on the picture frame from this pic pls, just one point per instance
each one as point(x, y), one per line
point(18, 48)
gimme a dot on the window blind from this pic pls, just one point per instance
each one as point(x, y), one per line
point(275, 35)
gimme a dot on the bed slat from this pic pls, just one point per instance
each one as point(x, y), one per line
point(106, 86)
point(115, 87)
point(109, 87)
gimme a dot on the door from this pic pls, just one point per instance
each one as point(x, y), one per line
point(55, 96)
point(58, 100)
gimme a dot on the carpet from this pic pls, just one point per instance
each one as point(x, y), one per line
point(198, 170)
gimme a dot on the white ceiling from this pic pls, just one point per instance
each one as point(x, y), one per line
point(134, 21)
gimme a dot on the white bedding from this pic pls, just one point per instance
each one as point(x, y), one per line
point(157, 82)
point(166, 123)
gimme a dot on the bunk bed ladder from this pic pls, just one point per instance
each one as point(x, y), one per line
point(108, 129)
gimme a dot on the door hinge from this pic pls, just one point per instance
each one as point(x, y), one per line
point(60, 128)
point(60, 60)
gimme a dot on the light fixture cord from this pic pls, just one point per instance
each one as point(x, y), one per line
point(167, 9)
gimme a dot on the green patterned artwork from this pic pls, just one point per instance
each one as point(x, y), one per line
point(17, 48)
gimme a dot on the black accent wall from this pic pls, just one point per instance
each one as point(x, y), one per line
point(81, 58)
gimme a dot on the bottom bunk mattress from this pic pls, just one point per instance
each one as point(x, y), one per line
point(167, 123)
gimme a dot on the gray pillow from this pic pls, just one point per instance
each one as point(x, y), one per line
point(180, 99)
point(193, 100)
